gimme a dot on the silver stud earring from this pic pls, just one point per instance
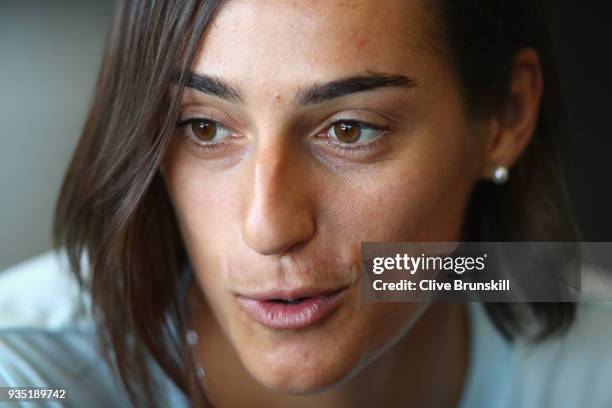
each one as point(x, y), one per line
point(500, 175)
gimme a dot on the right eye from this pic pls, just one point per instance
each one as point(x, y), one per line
point(205, 131)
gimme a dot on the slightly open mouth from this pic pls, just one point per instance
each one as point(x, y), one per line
point(289, 301)
point(292, 314)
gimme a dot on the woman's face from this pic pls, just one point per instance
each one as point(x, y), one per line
point(320, 125)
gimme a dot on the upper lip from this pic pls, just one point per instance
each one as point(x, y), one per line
point(291, 294)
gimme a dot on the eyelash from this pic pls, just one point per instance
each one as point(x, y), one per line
point(341, 147)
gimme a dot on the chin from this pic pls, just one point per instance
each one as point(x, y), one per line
point(301, 382)
point(302, 370)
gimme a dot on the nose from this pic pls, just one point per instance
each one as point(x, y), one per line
point(278, 212)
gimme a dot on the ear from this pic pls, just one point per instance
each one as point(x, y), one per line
point(513, 126)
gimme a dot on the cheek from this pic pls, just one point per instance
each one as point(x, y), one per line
point(204, 205)
point(420, 197)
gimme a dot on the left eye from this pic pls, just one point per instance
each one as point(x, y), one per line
point(353, 131)
point(206, 131)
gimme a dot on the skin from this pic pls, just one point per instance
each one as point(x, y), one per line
point(279, 205)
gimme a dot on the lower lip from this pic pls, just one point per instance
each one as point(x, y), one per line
point(278, 315)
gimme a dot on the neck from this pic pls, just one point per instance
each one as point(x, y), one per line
point(426, 367)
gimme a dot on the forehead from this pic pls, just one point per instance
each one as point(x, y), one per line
point(310, 40)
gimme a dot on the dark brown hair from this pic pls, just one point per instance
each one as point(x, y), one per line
point(116, 223)
point(482, 37)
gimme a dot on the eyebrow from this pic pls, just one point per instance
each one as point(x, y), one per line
point(215, 86)
point(346, 86)
point(311, 95)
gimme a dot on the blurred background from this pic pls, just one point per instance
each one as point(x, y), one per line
point(50, 52)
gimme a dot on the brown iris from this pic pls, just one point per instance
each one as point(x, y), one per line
point(204, 130)
point(347, 132)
